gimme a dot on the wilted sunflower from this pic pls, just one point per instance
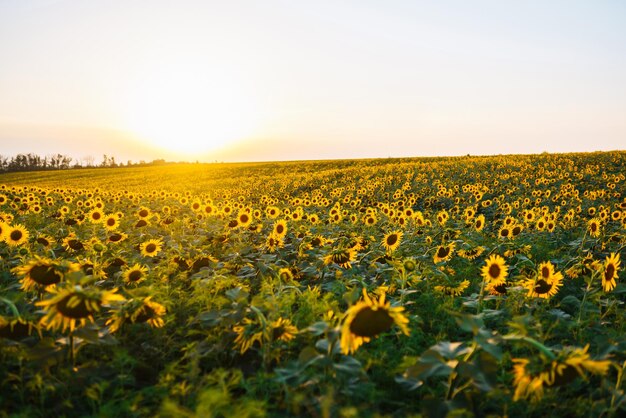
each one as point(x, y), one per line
point(609, 272)
point(369, 318)
point(341, 256)
point(135, 274)
point(151, 247)
point(138, 311)
point(16, 235)
point(391, 241)
point(74, 305)
point(283, 330)
point(444, 253)
point(248, 333)
point(495, 270)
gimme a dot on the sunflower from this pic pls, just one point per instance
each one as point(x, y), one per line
point(318, 241)
point(151, 247)
point(272, 243)
point(138, 311)
point(495, 270)
point(117, 237)
point(280, 229)
point(72, 243)
point(74, 305)
point(248, 333)
point(444, 253)
point(472, 253)
point(594, 227)
point(497, 289)
point(369, 318)
point(546, 284)
point(43, 272)
point(283, 330)
point(144, 213)
point(4, 227)
point(479, 222)
point(244, 218)
point(531, 377)
point(46, 241)
point(111, 222)
point(16, 235)
point(96, 216)
point(609, 272)
point(285, 275)
point(453, 290)
point(135, 274)
point(505, 232)
point(16, 328)
point(391, 241)
point(341, 256)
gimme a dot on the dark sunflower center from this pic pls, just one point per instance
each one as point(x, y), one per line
point(142, 213)
point(545, 272)
point(115, 237)
point(478, 224)
point(392, 239)
point(316, 242)
point(542, 287)
point(110, 222)
point(78, 311)
point(442, 252)
point(44, 275)
point(501, 288)
point(280, 229)
point(16, 235)
point(567, 375)
point(341, 258)
point(135, 275)
point(609, 272)
point(96, 216)
point(244, 218)
point(504, 233)
point(594, 227)
point(42, 241)
point(15, 331)
point(75, 244)
point(369, 322)
point(233, 223)
point(516, 230)
point(494, 271)
point(145, 314)
point(150, 248)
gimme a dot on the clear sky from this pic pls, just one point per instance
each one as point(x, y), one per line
point(282, 80)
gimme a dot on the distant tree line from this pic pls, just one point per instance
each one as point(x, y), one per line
point(33, 162)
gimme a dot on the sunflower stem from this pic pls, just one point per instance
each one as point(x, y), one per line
point(618, 384)
point(72, 357)
point(539, 346)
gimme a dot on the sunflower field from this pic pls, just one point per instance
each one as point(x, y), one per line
point(434, 287)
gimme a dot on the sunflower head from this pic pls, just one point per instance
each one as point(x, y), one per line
point(391, 241)
point(151, 248)
point(368, 318)
point(609, 272)
point(16, 235)
point(41, 272)
point(137, 311)
point(16, 329)
point(495, 270)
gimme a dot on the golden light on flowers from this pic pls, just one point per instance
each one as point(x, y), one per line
point(367, 319)
point(72, 306)
point(479, 222)
point(391, 241)
point(43, 272)
point(450, 290)
point(280, 229)
point(244, 218)
point(96, 216)
point(151, 248)
point(609, 272)
point(16, 235)
point(495, 270)
point(111, 222)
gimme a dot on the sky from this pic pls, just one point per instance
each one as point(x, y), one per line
point(291, 80)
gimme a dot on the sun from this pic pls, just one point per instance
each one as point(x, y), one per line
point(190, 113)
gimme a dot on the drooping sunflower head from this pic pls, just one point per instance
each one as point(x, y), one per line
point(453, 290)
point(391, 241)
point(151, 248)
point(137, 311)
point(367, 319)
point(283, 330)
point(495, 270)
point(17, 329)
point(248, 332)
point(46, 241)
point(75, 305)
